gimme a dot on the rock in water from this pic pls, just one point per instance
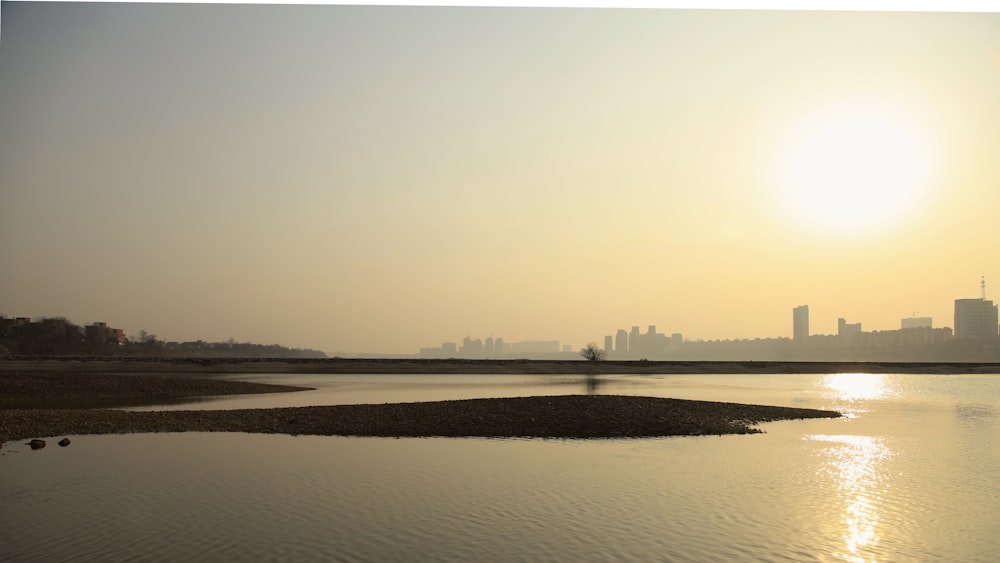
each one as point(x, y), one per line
point(64, 442)
point(37, 444)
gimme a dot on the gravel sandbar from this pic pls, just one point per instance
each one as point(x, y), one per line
point(568, 416)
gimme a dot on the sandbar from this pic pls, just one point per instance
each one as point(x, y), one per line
point(50, 404)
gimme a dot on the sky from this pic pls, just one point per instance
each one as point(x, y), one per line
point(375, 179)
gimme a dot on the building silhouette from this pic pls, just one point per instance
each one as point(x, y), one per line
point(101, 334)
point(846, 329)
point(976, 319)
point(800, 324)
point(976, 337)
point(641, 345)
point(471, 347)
point(916, 322)
point(621, 342)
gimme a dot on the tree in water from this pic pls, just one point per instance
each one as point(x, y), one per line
point(594, 355)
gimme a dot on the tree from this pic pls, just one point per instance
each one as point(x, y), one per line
point(592, 353)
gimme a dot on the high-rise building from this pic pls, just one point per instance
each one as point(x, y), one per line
point(608, 344)
point(976, 319)
point(800, 324)
point(621, 342)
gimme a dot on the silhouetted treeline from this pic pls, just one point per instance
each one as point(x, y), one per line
point(231, 349)
point(56, 336)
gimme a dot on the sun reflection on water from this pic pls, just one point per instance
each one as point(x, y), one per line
point(856, 465)
point(858, 386)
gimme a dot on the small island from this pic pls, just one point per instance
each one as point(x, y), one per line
point(53, 403)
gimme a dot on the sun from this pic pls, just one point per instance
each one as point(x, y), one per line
point(854, 167)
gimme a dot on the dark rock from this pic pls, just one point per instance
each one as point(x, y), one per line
point(37, 444)
point(64, 442)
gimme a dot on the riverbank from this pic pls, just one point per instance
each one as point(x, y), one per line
point(68, 389)
point(467, 366)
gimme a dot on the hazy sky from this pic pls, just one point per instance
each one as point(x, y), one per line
point(378, 179)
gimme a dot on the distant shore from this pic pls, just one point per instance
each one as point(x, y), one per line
point(468, 366)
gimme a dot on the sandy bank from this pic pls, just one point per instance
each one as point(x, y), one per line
point(74, 389)
point(48, 404)
point(569, 416)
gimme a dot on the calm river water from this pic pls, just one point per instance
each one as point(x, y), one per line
point(912, 474)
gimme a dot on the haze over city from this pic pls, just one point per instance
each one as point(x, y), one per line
point(378, 179)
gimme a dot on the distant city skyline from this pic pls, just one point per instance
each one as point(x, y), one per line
point(975, 319)
point(976, 322)
point(377, 179)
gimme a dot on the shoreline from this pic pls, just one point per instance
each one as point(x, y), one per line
point(469, 366)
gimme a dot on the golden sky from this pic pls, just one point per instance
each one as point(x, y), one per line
point(378, 179)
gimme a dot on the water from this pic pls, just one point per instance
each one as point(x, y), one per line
point(911, 474)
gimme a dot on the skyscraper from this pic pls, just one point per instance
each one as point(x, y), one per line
point(976, 319)
point(621, 342)
point(800, 324)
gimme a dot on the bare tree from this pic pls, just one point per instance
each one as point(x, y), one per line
point(592, 353)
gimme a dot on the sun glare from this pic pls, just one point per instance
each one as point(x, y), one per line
point(854, 167)
point(857, 386)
